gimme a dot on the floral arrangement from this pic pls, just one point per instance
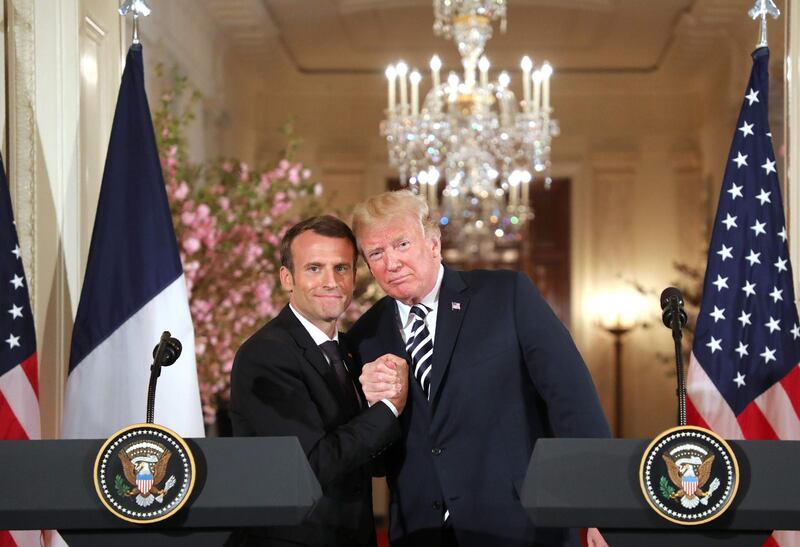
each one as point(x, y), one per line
point(229, 219)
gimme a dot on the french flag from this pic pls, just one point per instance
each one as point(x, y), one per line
point(132, 291)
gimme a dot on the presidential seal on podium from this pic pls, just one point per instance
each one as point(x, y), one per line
point(144, 473)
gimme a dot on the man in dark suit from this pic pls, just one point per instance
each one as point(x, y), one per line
point(295, 377)
point(492, 370)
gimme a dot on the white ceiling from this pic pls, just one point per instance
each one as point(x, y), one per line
point(576, 36)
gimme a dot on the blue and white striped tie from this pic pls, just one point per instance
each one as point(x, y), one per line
point(420, 347)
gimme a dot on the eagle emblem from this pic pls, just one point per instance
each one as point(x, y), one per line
point(689, 469)
point(144, 465)
point(689, 475)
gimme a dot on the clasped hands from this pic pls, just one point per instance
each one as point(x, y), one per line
point(386, 378)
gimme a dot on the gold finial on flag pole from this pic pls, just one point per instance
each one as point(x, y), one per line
point(137, 8)
point(762, 8)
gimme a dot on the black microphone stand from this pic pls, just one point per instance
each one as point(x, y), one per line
point(677, 335)
point(155, 372)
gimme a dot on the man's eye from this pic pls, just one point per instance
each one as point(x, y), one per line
point(375, 255)
point(313, 269)
point(343, 268)
point(404, 244)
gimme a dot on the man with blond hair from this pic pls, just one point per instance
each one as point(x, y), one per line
point(491, 370)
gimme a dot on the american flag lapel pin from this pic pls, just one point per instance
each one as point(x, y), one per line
point(455, 306)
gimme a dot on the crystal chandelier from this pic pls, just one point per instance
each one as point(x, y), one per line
point(470, 140)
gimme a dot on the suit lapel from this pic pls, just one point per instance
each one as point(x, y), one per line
point(389, 331)
point(453, 303)
point(311, 352)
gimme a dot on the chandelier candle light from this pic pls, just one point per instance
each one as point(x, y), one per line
point(472, 139)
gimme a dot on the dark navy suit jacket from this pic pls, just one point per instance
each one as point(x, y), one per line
point(505, 373)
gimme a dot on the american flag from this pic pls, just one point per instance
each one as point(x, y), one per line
point(19, 373)
point(743, 380)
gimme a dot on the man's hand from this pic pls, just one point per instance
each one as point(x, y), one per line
point(386, 378)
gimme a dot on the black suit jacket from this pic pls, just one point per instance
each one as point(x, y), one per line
point(281, 384)
point(505, 373)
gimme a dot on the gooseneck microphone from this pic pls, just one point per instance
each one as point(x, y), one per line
point(170, 351)
point(674, 317)
point(165, 354)
point(673, 314)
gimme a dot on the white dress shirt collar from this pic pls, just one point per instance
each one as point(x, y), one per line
point(431, 300)
point(316, 333)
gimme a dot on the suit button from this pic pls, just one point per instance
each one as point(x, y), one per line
point(437, 505)
point(436, 451)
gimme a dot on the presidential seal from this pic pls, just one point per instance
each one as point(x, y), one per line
point(144, 473)
point(689, 475)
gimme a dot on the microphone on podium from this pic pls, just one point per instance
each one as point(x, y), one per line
point(674, 317)
point(170, 349)
point(673, 314)
point(165, 354)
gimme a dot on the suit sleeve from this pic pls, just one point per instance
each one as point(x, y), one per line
point(269, 398)
point(556, 367)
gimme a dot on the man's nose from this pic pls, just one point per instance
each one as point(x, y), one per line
point(329, 278)
point(392, 261)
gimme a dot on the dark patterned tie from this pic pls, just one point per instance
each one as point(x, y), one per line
point(420, 348)
point(334, 352)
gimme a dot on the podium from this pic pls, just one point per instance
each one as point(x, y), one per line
point(581, 483)
point(240, 482)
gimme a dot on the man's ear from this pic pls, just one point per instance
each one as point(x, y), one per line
point(287, 281)
point(436, 246)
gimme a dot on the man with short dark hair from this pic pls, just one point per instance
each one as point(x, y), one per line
point(295, 377)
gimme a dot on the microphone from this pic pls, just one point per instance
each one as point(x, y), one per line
point(673, 314)
point(165, 353)
point(674, 317)
point(171, 351)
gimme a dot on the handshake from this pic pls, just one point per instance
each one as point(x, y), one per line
point(386, 378)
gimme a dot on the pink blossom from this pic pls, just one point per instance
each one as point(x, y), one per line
point(203, 211)
point(283, 165)
point(264, 184)
point(182, 191)
point(224, 203)
point(306, 173)
point(279, 208)
point(263, 291)
point(318, 189)
point(227, 167)
point(294, 176)
point(191, 245)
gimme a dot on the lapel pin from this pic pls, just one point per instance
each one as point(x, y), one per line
point(455, 306)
